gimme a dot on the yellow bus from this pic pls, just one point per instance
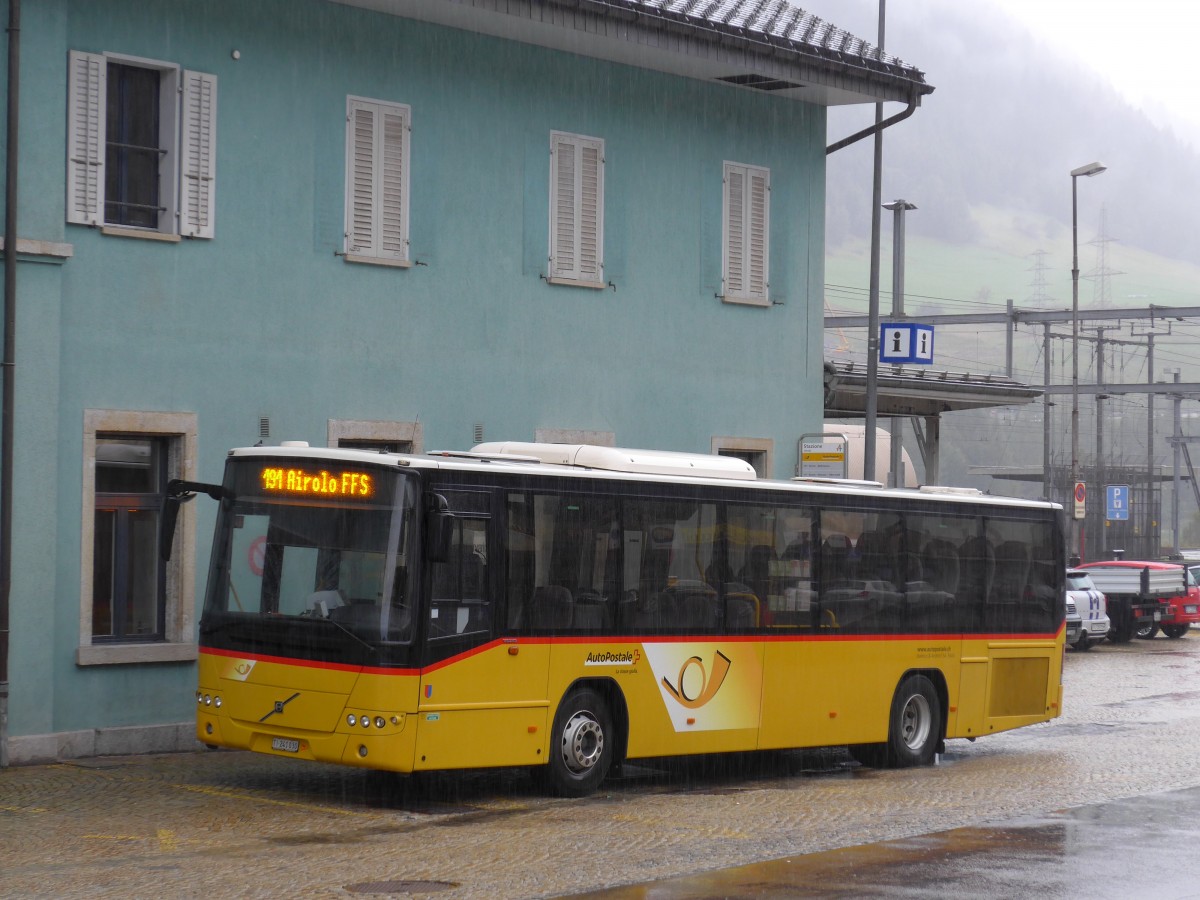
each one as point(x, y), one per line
point(569, 607)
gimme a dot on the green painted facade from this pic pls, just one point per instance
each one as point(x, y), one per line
point(268, 320)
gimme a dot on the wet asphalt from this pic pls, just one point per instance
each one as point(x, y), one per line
point(1101, 802)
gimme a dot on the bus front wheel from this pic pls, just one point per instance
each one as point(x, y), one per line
point(915, 728)
point(582, 742)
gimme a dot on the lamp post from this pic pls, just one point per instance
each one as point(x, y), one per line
point(898, 208)
point(1089, 170)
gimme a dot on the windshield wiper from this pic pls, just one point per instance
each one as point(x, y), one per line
point(344, 629)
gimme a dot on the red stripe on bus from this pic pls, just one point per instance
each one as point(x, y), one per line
point(632, 639)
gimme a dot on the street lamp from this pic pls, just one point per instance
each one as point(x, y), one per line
point(898, 208)
point(1089, 170)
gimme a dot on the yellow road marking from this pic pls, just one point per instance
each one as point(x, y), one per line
point(237, 795)
point(112, 837)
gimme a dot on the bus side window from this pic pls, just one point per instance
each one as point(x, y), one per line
point(460, 601)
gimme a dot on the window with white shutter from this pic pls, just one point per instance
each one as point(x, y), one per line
point(377, 152)
point(141, 146)
point(746, 210)
point(576, 209)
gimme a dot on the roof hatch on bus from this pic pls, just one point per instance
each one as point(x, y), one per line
point(623, 459)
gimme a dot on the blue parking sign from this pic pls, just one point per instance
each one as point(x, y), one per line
point(1117, 502)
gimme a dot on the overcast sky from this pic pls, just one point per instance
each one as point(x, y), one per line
point(1141, 48)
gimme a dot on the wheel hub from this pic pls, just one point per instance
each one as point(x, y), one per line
point(582, 742)
point(915, 721)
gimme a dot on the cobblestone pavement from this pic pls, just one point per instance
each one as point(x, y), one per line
point(224, 824)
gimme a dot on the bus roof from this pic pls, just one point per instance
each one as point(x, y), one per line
point(623, 464)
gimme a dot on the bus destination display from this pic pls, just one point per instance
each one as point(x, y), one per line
point(282, 480)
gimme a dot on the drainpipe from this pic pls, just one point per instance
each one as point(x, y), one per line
point(9, 361)
point(873, 129)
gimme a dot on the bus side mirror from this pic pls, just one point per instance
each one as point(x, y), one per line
point(439, 529)
point(178, 492)
point(166, 526)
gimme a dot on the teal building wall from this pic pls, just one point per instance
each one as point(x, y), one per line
point(268, 320)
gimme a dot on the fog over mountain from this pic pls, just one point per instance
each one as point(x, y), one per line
point(1008, 121)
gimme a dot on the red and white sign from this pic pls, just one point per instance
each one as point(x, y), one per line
point(1080, 500)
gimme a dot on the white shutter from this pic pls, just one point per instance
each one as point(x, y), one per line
point(758, 210)
point(735, 205)
point(591, 212)
point(360, 178)
point(393, 184)
point(87, 94)
point(746, 212)
point(198, 155)
point(576, 208)
point(377, 179)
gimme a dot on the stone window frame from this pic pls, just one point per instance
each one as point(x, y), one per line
point(179, 644)
point(375, 430)
point(766, 446)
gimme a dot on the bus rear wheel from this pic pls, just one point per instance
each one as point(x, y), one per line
point(1176, 631)
point(915, 728)
point(582, 742)
point(1147, 631)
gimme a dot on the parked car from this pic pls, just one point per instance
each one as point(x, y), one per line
point(1091, 609)
point(1074, 622)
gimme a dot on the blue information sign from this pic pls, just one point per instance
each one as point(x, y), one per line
point(906, 342)
point(1116, 502)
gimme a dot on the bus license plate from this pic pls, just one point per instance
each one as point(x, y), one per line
point(287, 744)
point(1190, 609)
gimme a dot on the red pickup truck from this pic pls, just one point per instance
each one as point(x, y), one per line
point(1184, 611)
point(1146, 597)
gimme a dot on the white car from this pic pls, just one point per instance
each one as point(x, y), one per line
point(1091, 607)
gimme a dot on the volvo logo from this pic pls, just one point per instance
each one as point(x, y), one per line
point(279, 705)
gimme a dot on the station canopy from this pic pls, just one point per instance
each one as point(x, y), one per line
point(902, 391)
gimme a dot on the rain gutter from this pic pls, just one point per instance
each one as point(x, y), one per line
point(877, 128)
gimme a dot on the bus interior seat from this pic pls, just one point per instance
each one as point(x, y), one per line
point(877, 561)
point(591, 611)
point(757, 570)
point(696, 606)
point(977, 565)
point(551, 606)
point(939, 560)
point(1012, 572)
point(836, 564)
point(741, 611)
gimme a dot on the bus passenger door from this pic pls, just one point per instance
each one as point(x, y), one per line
point(482, 698)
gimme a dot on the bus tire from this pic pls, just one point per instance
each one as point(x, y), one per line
point(1147, 631)
point(581, 744)
point(1176, 631)
point(915, 726)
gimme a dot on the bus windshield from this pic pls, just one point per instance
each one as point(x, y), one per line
point(316, 557)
